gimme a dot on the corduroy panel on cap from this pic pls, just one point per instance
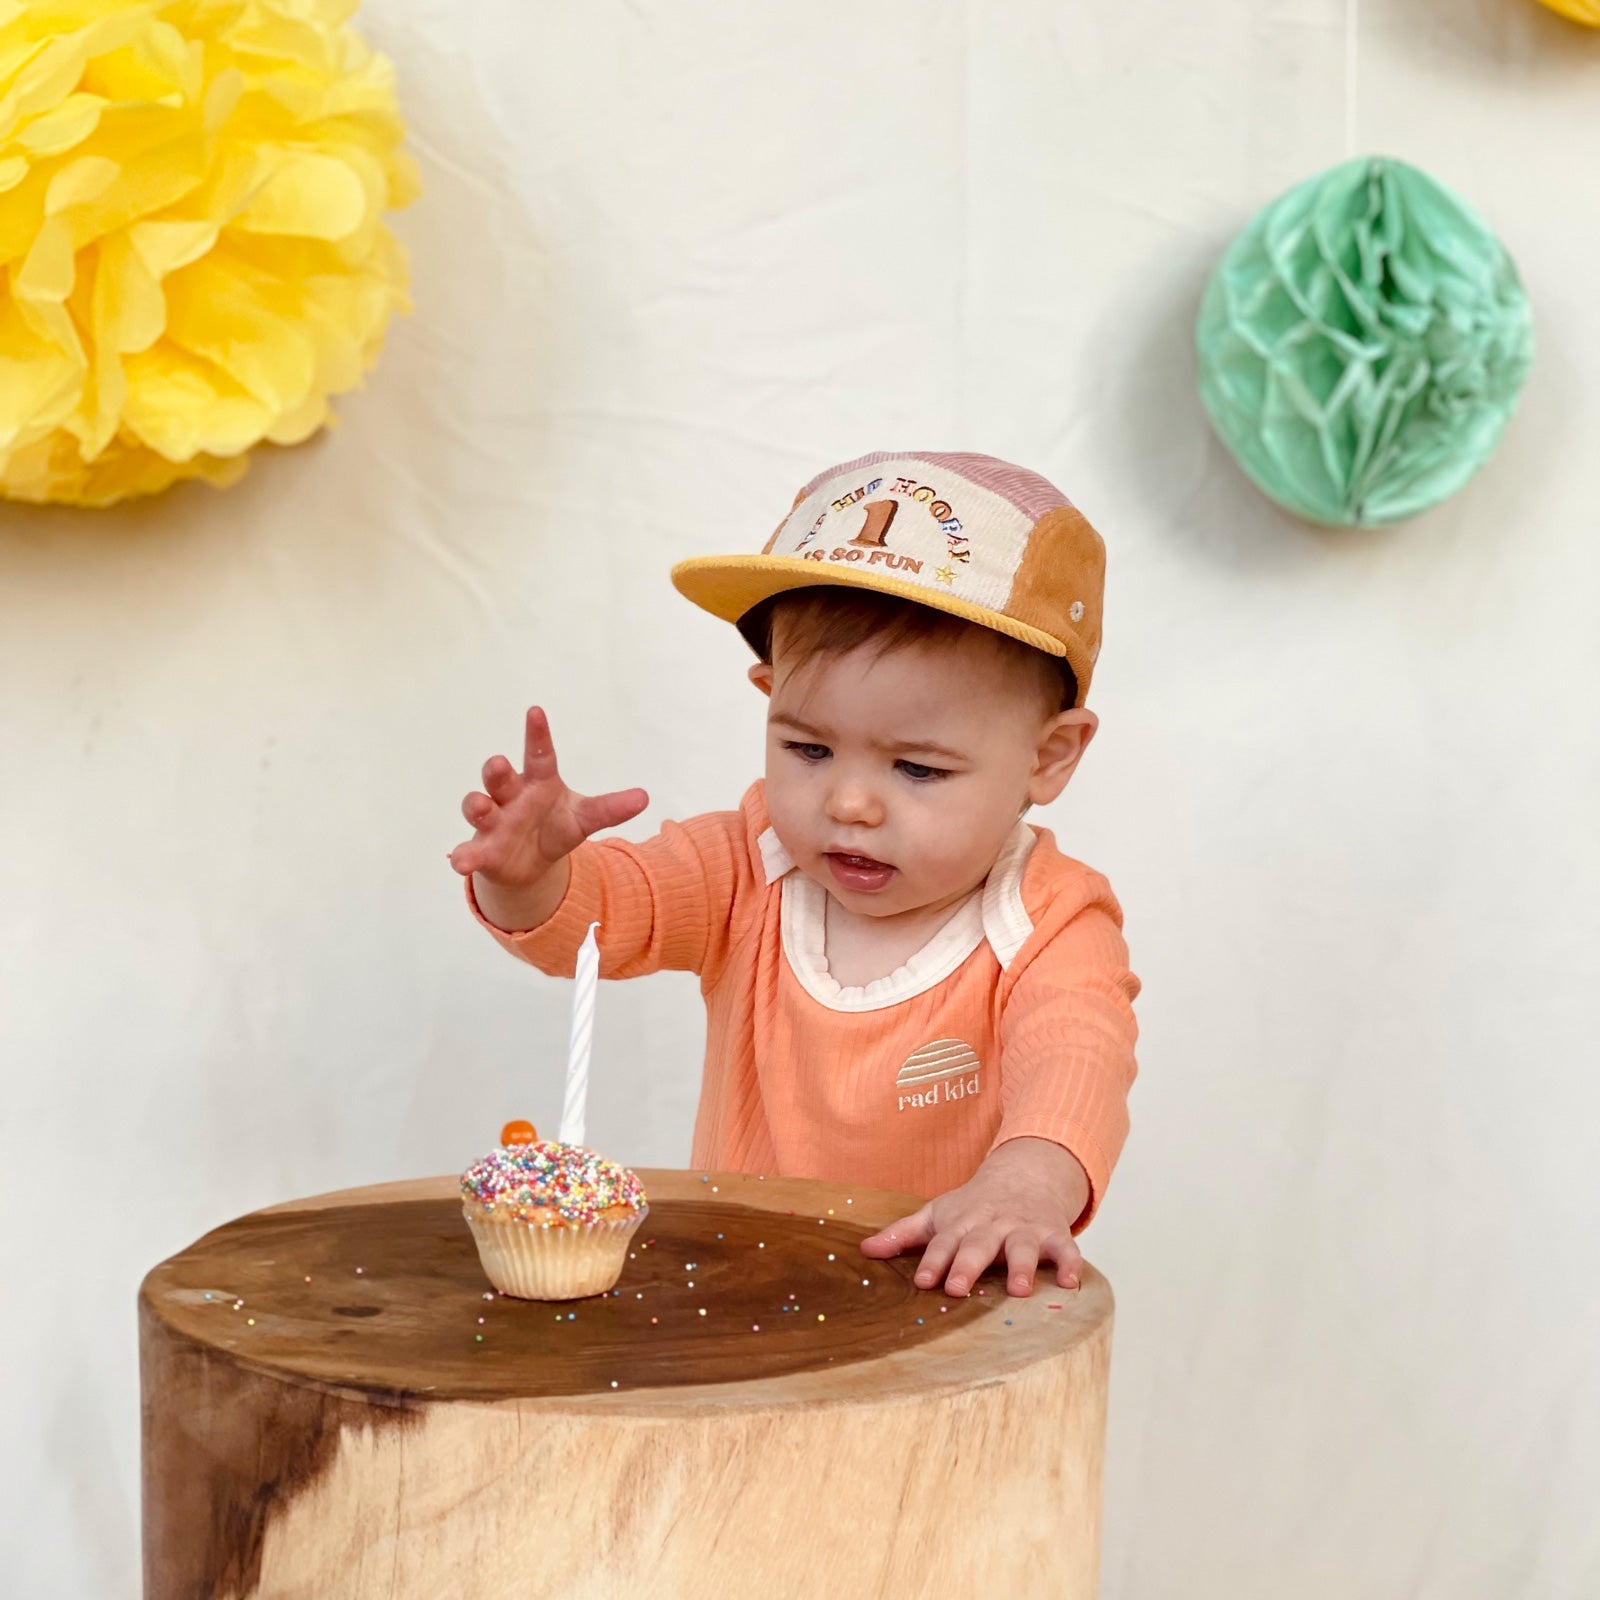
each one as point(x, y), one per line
point(1031, 494)
point(1064, 567)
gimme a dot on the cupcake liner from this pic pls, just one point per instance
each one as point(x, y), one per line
point(566, 1261)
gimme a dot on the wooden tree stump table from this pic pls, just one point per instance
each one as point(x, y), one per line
point(337, 1407)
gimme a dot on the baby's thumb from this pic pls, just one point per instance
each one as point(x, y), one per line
point(909, 1233)
point(610, 810)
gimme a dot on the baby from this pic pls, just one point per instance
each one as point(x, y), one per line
point(906, 984)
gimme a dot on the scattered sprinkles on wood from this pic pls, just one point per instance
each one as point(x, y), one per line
point(579, 1184)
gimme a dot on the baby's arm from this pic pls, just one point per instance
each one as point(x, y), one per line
point(526, 827)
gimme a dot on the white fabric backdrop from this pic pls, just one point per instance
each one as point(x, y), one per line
point(671, 259)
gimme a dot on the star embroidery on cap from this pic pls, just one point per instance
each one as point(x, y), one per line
point(945, 574)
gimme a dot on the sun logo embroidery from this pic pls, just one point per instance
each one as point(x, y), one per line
point(947, 1069)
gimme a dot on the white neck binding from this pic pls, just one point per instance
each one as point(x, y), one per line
point(995, 912)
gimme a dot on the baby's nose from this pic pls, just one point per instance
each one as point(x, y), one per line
point(853, 801)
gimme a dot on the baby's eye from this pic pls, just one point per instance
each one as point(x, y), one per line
point(808, 752)
point(921, 774)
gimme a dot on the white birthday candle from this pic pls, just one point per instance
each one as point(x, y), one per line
point(584, 983)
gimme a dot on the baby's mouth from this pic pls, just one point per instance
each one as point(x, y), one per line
point(861, 873)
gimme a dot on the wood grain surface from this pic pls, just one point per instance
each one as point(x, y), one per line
point(326, 1416)
point(392, 1298)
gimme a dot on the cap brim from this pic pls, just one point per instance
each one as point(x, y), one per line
point(728, 586)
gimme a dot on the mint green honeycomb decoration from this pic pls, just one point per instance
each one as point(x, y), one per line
point(1362, 344)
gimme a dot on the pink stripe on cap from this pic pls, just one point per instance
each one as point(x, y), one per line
point(1027, 491)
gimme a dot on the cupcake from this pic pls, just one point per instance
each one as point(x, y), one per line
point(551, 1221)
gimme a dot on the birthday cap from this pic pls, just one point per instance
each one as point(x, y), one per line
point(979, 538)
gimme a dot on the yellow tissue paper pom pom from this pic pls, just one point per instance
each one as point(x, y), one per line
point(193, 255)
point(1584, 11)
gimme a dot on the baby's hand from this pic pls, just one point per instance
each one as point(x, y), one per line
point(530, 821)
point(1021, 1203)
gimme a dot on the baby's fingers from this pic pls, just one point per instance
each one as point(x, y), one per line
point(1062, 1248)
point(501, 780)
point(978, 1249)
point(1022, 1261)
point(936, 1258)
point(466, 858)
point(538, 748)
point(478, 809)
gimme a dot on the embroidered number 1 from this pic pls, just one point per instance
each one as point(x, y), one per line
point(880, 513)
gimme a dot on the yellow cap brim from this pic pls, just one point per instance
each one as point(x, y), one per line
point(728, 586)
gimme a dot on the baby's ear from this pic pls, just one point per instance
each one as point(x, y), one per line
point(1061, 746)
point(761, 677)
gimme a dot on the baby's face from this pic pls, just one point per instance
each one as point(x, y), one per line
point(893, 780)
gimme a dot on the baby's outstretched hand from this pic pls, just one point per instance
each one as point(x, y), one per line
point(1020, 1204)
point(529, 821)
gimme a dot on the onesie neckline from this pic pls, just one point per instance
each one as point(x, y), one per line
point(995, 912)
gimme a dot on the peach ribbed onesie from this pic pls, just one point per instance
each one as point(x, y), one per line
point(1015, 1019)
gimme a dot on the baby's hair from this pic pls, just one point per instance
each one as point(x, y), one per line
point(832, 620)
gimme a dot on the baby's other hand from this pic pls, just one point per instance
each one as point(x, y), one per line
point(1020, 1204)
point(527, 822)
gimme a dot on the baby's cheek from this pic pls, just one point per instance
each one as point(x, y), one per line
point(949, 855)
point(785, 807)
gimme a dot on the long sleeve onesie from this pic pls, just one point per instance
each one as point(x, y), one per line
point(1015, 1019)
